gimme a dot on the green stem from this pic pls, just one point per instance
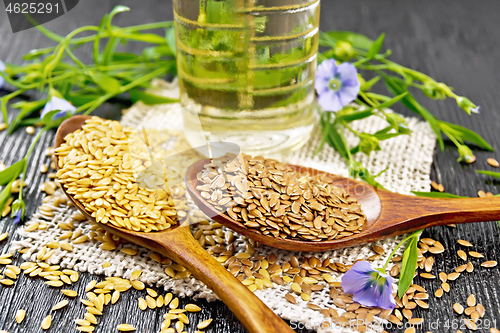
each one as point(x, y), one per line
point(5, 99)
point(26, 158)
point(350, 129)
point(344, 141)
point(415, 234)
point(367, 99)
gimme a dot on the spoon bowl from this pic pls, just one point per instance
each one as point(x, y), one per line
point(388, 214)
point(178, 244)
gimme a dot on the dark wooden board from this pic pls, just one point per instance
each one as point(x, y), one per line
point(454, 41)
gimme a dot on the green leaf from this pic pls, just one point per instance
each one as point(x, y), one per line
point(466, 134)
point(106, 83)
point(489, 173)
point(392, 101)
point(408, 266)
point(12, 172)
point(125, 57)
point(436, 195)
point(149, 99)
point(81, 99)
point(170, 37)
point(30, 122)
point(49, 121)
point(376, 46)
point(386, 136)
point(5, 195)
point(333, 137)
point(357, 40)
point(26, 108)
point(355, 115)
point(369, 84)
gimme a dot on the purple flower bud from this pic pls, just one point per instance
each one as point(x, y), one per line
point(57, 103)
point(18, 216)
point(2, 68)
point(369, 286)
point(336, 86)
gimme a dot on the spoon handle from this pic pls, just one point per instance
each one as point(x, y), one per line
point(180, 246)
point(401, 213)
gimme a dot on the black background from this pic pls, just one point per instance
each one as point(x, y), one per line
point(454, 41)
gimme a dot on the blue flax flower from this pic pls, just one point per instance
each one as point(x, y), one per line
point(18, 216)
point(60, 104)
point(369, 286)
point(2, 68)
point(336, 85)
point(18, 209)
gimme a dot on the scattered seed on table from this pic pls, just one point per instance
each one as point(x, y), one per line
point(429, 262)
point(46, 322)
point(471, 300)
point(174, 304)
point(125, 328)
point(481, 194)
point(469, 311)
point(20, 314)
point(476, 254)
point(427, 276)
point(464, 243)
point(192, 308)
point(461, 268)
point(3, 236)
point(60, 305)
point(458, 308)
point(480, 309)
point(443, 276)
point(470, 267)
point(91, 318)
point(6, 282)
point(151, 292)
point(204, 324)
point(30, 130)
point(453, 276)
point(438, 293)
point(494, 163)
point(491, 263)
point(436, 250)
point(462, 255)
point(446, 287)
point(407, 314)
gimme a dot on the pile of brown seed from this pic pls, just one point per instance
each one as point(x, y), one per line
point(99, 167)
point(276, 200)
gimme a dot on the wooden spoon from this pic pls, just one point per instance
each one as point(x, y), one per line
point(179, 245)
point(388, 214)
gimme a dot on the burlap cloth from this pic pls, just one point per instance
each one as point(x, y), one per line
point(408, 159)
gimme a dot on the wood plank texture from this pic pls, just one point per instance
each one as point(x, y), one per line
point(454, 41)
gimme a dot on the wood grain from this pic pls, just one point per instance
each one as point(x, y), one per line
point(454, 41)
